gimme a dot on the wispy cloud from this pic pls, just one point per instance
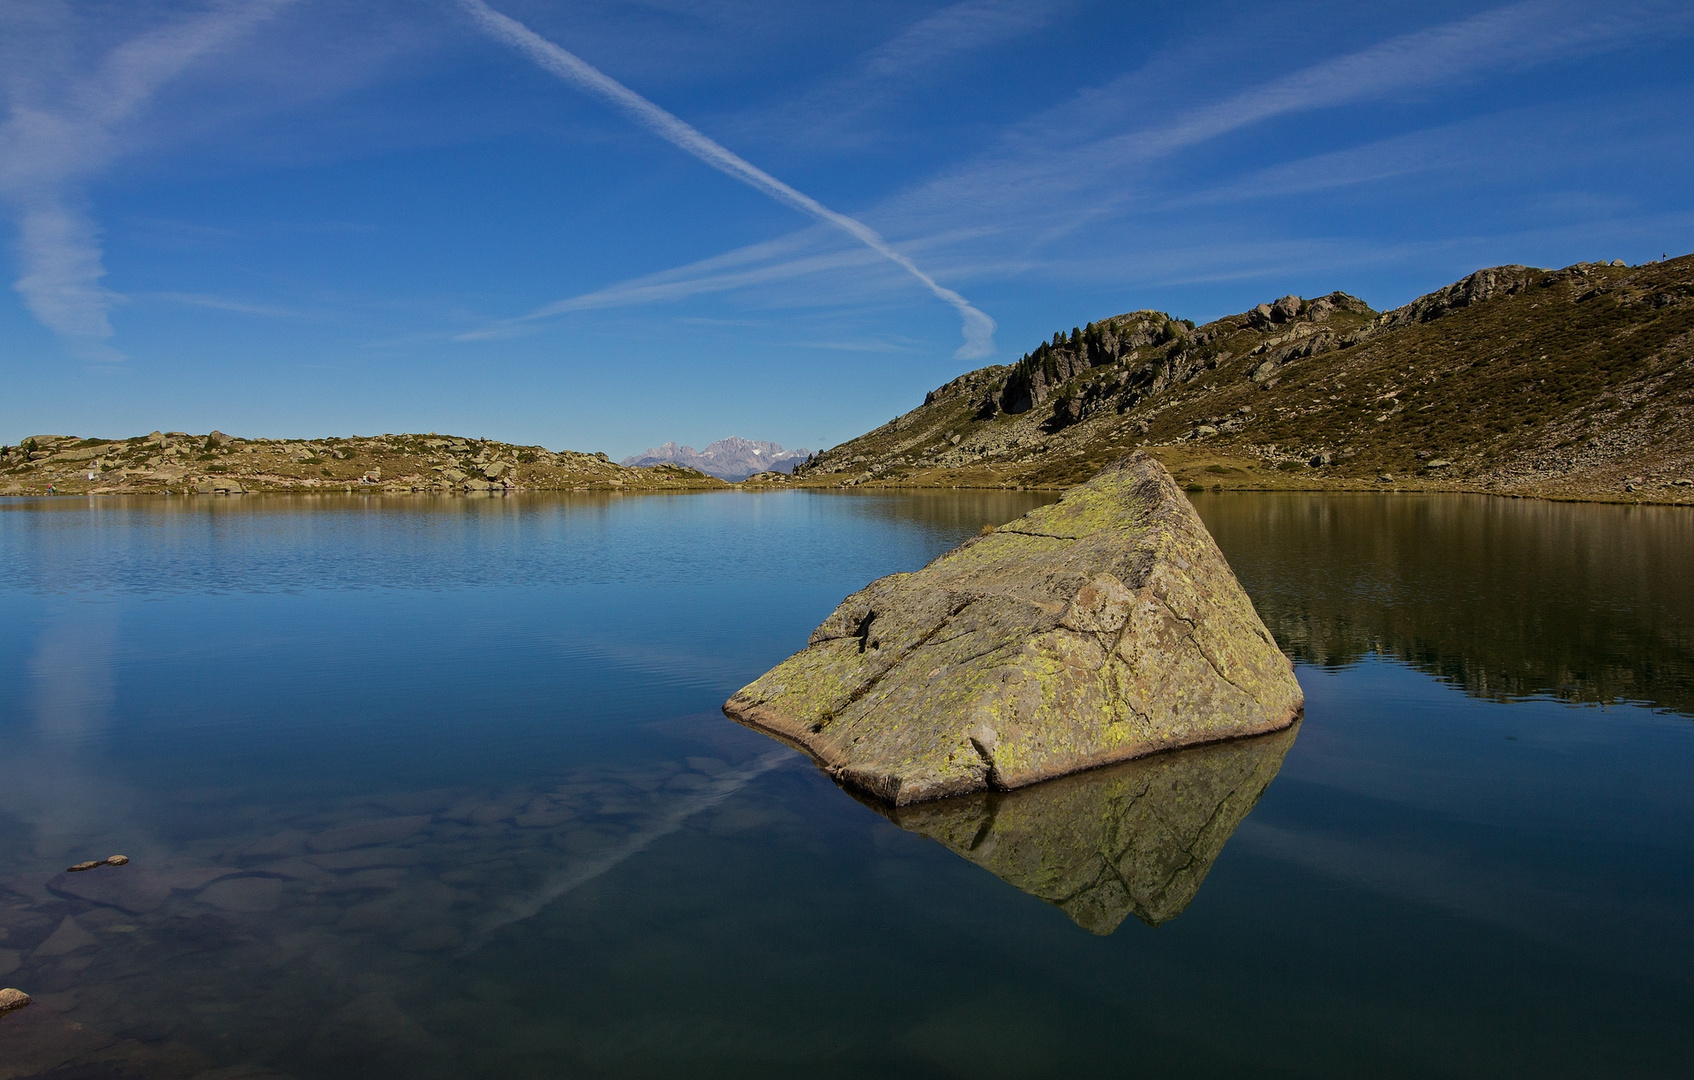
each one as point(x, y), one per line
point(220, 303)
point(830, 116)
point(957, 28)
point(977, 327)
point(54, 141)
point(852, 346)
point(755, 264)
point(1094, 158)
point(1058, 166)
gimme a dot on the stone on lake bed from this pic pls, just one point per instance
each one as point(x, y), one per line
point(67, 939)
point(244, 895)
point(1101, 628)
point(368, 833)
point(136, 891)
point(366, 858)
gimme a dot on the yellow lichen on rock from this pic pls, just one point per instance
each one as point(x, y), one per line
point(1098, 629)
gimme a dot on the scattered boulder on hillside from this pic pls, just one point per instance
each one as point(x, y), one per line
point(1101, 628)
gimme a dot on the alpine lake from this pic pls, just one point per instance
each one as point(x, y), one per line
point(438, 788)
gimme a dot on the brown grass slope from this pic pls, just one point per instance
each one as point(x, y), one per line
point(1573, 383)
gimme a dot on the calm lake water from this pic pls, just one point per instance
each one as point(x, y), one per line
point(438, 788)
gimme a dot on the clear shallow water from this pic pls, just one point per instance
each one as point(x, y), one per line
point(438, 788)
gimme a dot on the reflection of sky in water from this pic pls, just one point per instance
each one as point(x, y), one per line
point(439, 789)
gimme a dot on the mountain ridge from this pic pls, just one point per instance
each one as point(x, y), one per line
point(1573, 383)
point(731, 459)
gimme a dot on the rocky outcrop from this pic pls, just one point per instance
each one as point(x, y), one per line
point(1482, 285)
point(219, 485)
point(1101, 628)
point(1130, 839)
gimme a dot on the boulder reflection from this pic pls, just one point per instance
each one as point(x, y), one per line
point(1136, 838)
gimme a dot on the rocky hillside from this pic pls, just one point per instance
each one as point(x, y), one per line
point(1573, 383)
point(177, 462)
point(730, 459)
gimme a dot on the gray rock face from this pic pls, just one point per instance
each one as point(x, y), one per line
point(1101, 628)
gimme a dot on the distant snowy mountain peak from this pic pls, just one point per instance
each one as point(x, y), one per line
point(728, 459)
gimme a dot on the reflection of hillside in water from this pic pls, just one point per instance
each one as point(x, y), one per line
point(276, 543)
point(1136, 838)
point(940, 509)
point(1503, 597)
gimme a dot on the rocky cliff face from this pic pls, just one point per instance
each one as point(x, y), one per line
point(1100, 628)
point(1573, 383)
point(729, 459)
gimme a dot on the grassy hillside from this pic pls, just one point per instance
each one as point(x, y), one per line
point(208, 464)
point(1574, 383)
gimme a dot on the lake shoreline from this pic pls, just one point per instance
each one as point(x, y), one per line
point(1682, 496)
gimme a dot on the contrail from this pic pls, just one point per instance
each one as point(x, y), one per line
point(977, 327)
point(517, 909)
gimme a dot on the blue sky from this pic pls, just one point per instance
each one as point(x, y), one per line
point(602, 225)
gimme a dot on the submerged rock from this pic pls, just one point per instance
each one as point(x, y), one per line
point(135, 891)
point(1136, 838)
point(1101, 628)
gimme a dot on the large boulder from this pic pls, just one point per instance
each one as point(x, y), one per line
point(1100, 628)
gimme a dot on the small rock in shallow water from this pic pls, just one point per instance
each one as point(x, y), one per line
point(110, 860)
point(11, 1000)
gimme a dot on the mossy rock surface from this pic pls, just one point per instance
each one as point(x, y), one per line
point(1101, 628)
